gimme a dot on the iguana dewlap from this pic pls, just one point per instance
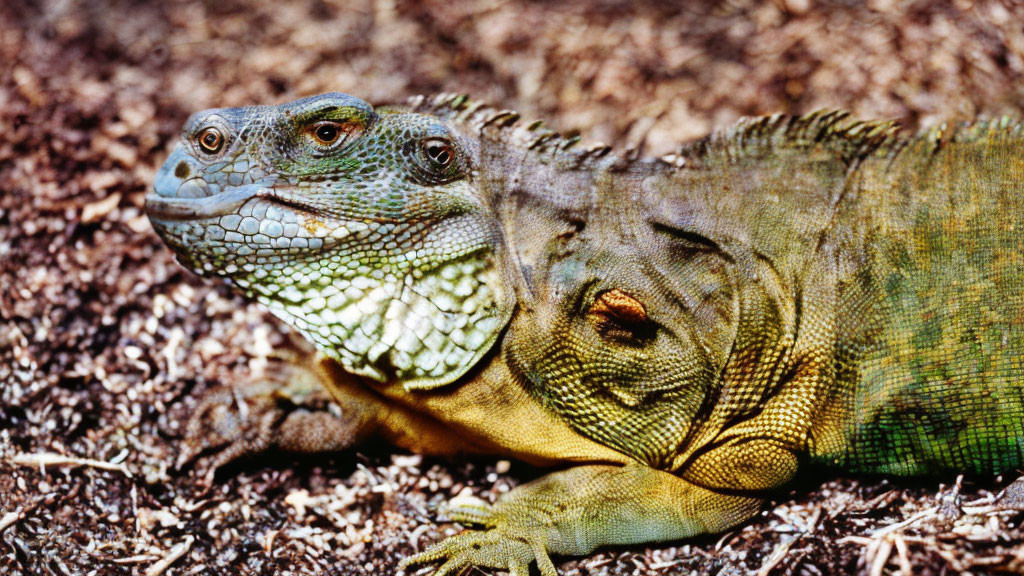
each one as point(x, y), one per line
point(681, 335)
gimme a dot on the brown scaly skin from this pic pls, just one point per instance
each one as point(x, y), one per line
point(680, 335)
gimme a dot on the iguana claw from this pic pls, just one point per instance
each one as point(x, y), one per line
point(496, 548)
point(512, 536)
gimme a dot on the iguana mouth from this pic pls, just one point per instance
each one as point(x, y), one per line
point(220, 204)
point(178, 208)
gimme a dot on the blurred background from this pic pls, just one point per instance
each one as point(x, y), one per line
point(106, 344)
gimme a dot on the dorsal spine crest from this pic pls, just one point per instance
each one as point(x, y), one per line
point(505, 126)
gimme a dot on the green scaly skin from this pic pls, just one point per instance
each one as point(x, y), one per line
point(681, 335)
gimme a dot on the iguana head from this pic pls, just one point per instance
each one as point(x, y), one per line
point(361, 228)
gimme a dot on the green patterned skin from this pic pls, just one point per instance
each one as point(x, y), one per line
point(933, 309)
point(683, 334)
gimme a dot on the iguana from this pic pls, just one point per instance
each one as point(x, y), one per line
point(679, 335)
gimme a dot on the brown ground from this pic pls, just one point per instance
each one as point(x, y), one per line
point(105, 343)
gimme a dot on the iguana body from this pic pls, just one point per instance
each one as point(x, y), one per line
point(682, 334)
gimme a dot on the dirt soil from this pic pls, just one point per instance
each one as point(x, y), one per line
point(106, 344)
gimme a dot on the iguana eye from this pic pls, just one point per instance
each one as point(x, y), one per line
point(211, 140)
point(438, 151)
point(435, 160)
point(326, 132)
point(330, 133)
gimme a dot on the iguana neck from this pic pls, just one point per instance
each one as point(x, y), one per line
point(753, 225)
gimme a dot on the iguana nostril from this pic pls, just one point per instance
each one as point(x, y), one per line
point(181, 170)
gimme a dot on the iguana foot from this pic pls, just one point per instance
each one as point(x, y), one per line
point(575, 511)
point(286, 409)
point(509, 542)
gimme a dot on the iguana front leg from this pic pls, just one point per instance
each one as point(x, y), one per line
point(305, 403)
point(287, 408)
point(575, 511)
